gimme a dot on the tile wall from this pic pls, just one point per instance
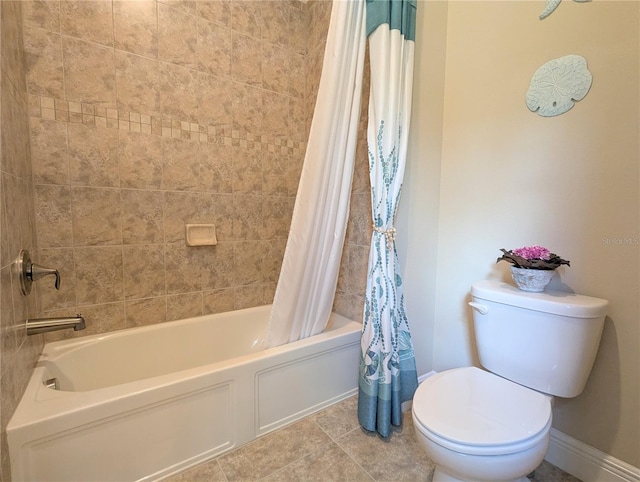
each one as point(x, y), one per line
point(17, 223)
point(147, 115)
point(352, 280)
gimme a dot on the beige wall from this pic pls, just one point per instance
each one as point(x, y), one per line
point(510, 178)
point(417, 220)
point(17, 223)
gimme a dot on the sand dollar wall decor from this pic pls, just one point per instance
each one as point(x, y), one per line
point(558, 85)
point(552, 5)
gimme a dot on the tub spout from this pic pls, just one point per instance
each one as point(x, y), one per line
point(44, 325)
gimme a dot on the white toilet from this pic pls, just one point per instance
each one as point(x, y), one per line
point(494, 427)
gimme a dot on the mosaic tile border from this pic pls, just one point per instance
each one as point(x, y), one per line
point(49, 108)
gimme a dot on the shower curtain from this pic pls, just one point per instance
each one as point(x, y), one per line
point(387, 364)
point(309, 274)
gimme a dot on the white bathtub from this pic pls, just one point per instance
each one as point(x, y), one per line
point(144, 403)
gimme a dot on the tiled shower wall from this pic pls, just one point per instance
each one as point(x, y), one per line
point(349, 300)
point(148, 115)
point(17, 227)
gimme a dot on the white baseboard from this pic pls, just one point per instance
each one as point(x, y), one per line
point(406, 406)
point(587, 463)
point(422, 378)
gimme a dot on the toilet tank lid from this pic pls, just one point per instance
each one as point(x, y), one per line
point(555, 302)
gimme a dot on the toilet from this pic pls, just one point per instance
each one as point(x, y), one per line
point(492, 424)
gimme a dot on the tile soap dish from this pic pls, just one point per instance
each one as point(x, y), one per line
point(201, 235)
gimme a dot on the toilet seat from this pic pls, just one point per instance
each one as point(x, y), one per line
point(475, 412)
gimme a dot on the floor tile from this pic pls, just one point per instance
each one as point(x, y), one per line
point(338, 419)
point(272, 452)
point(329, 464)
point(207, 472)
point(400, 457)
point(550, 473)
point(330, 446)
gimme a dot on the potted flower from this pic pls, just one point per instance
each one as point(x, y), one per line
point(533, 266)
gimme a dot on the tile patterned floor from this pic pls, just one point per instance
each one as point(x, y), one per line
point(331, 446)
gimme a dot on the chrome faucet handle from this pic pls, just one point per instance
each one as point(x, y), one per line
point(30, 272)
point(35, 272)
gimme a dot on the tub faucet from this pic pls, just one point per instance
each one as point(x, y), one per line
point(45, 325)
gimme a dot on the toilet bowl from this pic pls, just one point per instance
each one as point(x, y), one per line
point(493, 425)
point(477, 426)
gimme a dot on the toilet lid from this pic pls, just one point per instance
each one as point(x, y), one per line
point(472, 407)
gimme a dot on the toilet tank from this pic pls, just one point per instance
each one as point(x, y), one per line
point(545, 341)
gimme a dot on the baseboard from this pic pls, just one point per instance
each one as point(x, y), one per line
point(587, 463)
point(422, 378)
point(406, 406)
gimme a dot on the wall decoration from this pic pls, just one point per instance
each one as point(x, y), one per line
point(552, 5)
point(558, 84)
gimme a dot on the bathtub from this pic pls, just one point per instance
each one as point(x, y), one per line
point(147, 402)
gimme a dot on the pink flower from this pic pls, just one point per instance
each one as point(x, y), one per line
point(533, 252)
point(532, 257)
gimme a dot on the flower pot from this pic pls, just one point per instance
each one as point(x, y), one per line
point(534, 280)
